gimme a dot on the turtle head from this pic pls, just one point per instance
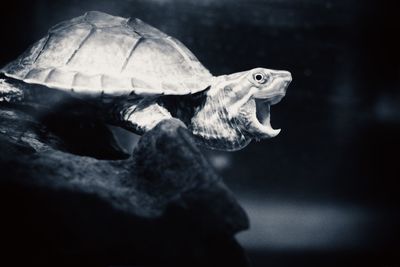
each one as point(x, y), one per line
point(249, 97)
point(237, 108)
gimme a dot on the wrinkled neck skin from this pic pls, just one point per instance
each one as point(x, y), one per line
point(211, 124)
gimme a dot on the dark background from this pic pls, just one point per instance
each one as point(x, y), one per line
point(325, 191)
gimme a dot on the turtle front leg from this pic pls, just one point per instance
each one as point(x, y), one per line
point(140, 116)
point(9, 92)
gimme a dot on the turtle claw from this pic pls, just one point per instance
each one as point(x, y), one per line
point(9, 92)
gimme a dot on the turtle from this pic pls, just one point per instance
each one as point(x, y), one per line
point(140, 76)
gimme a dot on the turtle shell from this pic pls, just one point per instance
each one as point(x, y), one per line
point(102, 54)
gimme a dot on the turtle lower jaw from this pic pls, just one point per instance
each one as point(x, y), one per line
point(260, 117)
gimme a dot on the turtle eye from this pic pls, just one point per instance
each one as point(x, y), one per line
point(260, 77)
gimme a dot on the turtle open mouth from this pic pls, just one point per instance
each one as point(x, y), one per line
point(262, 116)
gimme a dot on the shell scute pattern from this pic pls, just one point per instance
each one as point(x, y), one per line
point(144, 29)
point(99, 53)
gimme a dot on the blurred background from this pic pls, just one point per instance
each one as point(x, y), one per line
point(325, 191)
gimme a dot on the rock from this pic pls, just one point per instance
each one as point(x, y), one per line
point(41, 128)
point(162, 206)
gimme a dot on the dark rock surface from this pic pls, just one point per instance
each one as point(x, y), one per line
point(163, 206)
